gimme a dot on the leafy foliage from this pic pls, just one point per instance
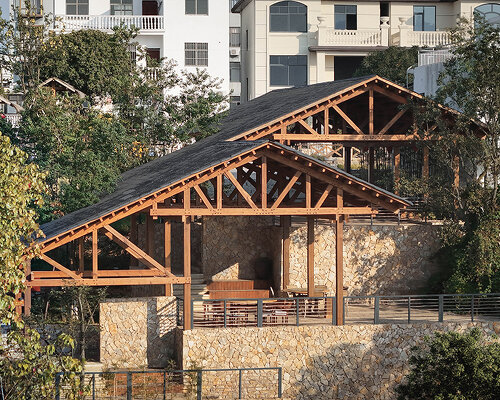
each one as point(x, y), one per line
point(453, 366)
point(21, 188)
point(391, 63)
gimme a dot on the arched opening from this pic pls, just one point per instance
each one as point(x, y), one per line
point(490, 12)
point(288, 16)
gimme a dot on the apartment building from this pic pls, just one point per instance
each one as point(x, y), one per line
point(194, 33)
point(293, 43)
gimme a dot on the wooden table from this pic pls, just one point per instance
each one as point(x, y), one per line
point(319, 291)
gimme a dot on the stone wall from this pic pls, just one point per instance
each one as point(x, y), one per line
point(327, 362)
point(378, 259)
point(382, 259)
point(138, 332)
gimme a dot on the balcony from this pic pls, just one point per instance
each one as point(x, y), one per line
point(408, 38)
point(145, 23)
point(335, 37)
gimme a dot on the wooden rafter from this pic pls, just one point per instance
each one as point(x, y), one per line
point(287, 189)
point(347, 119)
point(240, 189)
point(392, 121)
point(56, 265)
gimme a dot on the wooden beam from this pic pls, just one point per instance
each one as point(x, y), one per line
point(347, 119)
point(134, 236)
point(167, 252)
point(285, 191)
point(263, 182)
point(339, 270)
point(81, 255)
point(56, 265)
point(340, 198)
point(396, 97)
point(308, 191)
point(392, 121)
point(397, 168)
point(370, 112)
point(150, 234)
point(307, 127)
point(326, 122)
point(240, 189)
point(323, 197)
point(456, 172)
point(95, 259)
point(285, 224)
point(101, 273)
point(203, 197)
point(158, 280)
point(235, 211)
point(343, 138)
point(219, 189)
point(310, 257)
point(187, 273)
point(134, 250)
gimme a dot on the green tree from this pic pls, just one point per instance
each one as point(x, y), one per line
point(453, 366)
point(391, 63)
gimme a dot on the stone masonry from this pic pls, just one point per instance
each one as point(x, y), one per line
point(353, 362)
point(138, 332)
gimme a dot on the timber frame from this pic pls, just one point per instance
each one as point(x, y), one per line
point(268, 179)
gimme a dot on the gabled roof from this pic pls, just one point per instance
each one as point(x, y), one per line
point(54, 82)
point(177, 167)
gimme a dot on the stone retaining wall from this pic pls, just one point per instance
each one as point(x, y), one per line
point(327, 362)
point(138, 332)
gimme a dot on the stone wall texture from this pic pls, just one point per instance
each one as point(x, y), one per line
point(138, 332)
point(379, 259)
point(319, 362)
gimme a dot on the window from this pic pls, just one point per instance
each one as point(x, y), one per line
point(196, 54)
point(346, 18)
point(490, 12)
point(234, 72)
point(197, 7)
point(234, 101)
point(77, 7)
point(288, 16)
point(234, 37)
point(288, 70)
point(424, 18)
point(121, 7)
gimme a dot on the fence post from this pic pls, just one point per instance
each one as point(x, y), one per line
point(58, 386)
point(239, 384)
point(164, 385)
point(225, 314)
point(441, 308)
point(259, 313)
point(376, 310)
point(297, 311)
point(280, 383)
point(343, 311)
point(409, 309)
point(93, 386)
point(472, 308)
point(199, 385)
point(129, 385)
point(192, 314)
point(334, 314)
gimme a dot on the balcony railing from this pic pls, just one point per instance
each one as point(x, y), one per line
point(336, 37)
point(147, 23)
point(424, 39)
point(426, 57)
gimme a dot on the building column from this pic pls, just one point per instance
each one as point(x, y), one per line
point(310, 257)
point(187, 272)
point(320, 66)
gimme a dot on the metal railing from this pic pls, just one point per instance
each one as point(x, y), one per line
point(240, 383)
point(108, 22)
point(356, 310)
point(426, 57)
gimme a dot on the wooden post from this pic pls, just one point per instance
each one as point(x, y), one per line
point(187, 272)
point(134, 234)
point(218, 191)
point(425, 163)
point(27, 292)
point(370, 108)
point(326, 122)
point(167, 252)
point(285, 224)
point(397, 165)
point(347, 159)
point(310, 257)
point(371, 164)
point(94, 254)
point(308, 191)
point(339, 269)
point(81, 255)
point(456, 172)
point(150, 234)
point(263, 181)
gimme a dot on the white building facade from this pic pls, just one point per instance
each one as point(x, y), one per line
point(293, 43)
point(194, 33)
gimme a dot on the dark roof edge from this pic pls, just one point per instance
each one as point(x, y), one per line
point(349, 49)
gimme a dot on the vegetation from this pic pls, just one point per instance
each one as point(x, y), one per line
point(391, 63)
point(453, 366)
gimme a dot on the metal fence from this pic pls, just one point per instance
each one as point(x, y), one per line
point(356, 310)
point(233, 383)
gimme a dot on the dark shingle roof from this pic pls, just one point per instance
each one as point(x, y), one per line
point(277, 103)
point(151, 177)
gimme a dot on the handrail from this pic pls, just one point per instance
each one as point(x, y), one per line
point(108, 22)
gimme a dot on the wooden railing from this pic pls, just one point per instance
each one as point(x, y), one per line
point(108, 22)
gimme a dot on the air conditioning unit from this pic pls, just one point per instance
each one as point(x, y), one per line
point(234, 52)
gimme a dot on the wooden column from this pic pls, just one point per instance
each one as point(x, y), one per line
point(456, 172)
point(425, 163)
point(326, 122)
point(371, 109)
point(134, 235)
point(263, 181)
point(310, 256)
point(81, 255)
point(371, 164)
point(187, 272)
point(167, 236)
point(285, 224)
point(94, 254)
point(27, 291)
point(150, 234)
point(397, 166)
point(339, 269)
point(347, 159)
